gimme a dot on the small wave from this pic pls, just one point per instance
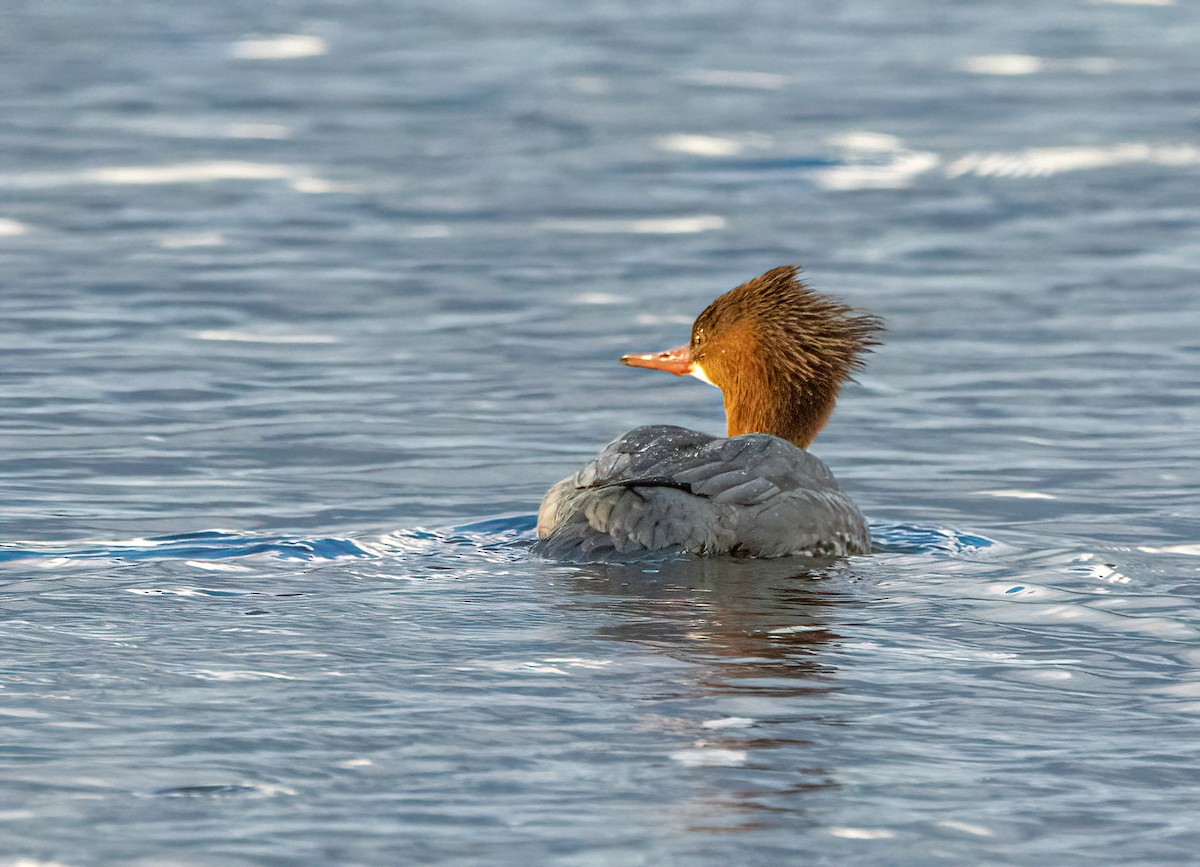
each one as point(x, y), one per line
point(503, 538)
point(509, 537)
point(916, 539)
point(203, 545)
point(496, 538)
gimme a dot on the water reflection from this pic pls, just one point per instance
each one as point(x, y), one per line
point(756, 634)
point(755, 624)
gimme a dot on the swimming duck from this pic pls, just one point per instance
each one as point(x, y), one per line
point(779, 352)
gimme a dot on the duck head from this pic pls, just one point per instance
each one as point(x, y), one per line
point(778, 351)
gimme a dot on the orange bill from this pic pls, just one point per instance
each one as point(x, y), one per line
point(677, 361)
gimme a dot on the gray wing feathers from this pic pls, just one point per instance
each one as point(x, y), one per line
point(596, 522)
point(668, 488)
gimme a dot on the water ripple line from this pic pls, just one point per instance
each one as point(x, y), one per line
point(502, 537)
point(202, 545)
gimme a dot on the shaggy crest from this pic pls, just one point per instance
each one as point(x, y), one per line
point(780, 352)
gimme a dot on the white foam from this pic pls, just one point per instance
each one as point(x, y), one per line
point(206, 172)
point(862, 833)
point(874, 161)
point(233, 336)
point(863, 140)
point(1190, 549)
point(664, 226)
point(699, 145)
point(530, 667)
point(176, 173)
point(679, 225)
point(214, 566)
point(309, 184)
point(10, 228)
point(173, 126)
point(285, 47)
point(1019, 495)
point(550, 665)
point(164, 591)
point(191, 173)
point(234, 675)
point(709, 757)
point(1004, 64)
point(1107, 574)
point(1042, 162)
point(578, 661)
point(897, 174)
point(968, 828)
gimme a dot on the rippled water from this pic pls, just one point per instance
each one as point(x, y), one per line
point(305, 304)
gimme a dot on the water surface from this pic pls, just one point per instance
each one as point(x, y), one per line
point(304, 305)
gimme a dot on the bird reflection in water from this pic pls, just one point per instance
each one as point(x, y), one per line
point(757, 634)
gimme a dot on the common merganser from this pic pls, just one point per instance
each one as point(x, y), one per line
point(779, 352)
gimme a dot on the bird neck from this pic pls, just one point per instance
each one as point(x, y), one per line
point(783, 406)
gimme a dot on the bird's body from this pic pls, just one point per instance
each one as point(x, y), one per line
point(779, 352)
point(664, 488)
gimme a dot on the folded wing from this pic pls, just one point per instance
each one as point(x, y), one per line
point(665, 488)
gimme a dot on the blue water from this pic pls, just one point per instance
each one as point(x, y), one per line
point(304, 305)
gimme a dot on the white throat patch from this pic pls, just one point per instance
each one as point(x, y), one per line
point(697, 371)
